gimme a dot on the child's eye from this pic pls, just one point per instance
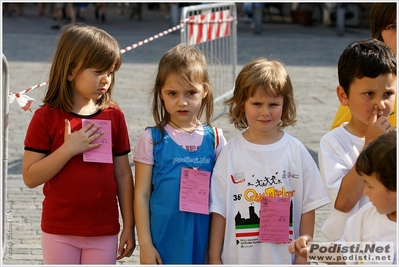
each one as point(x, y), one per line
point(101, 72)
point(388, 94)
point(369, 94)
point(391, 27)
point(172, 93)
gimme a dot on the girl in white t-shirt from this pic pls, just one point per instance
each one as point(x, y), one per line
point(262, 164)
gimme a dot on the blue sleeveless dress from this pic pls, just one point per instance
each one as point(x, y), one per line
point(180, 237)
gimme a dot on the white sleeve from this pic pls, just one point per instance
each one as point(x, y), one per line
point(221, 142)
point(332, 167)
point(218, 188)
point(314, 192)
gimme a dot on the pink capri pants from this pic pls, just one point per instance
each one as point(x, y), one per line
point(67, 249)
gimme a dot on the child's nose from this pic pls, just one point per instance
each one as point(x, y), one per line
point(182, 100)
point(381, 104)
point(264, 111)
point(106, 78)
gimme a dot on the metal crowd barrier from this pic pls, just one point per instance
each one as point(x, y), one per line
point(213, 29)
point(4, 109)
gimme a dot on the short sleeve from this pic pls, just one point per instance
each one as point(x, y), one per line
point(121, 142)
point(221, 141)
point(37, 137)
point(143, 150)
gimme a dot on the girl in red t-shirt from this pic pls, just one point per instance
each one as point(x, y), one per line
point(77, 145)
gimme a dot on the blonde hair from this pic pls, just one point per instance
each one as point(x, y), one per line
point(189, 63)
point(271, 77)
point(86, 47)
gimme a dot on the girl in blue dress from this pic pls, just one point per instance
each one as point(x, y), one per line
point(179, 142)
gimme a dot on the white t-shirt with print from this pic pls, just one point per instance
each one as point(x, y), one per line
point(243, 174)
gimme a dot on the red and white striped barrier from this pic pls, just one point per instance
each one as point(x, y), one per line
point(209, 26)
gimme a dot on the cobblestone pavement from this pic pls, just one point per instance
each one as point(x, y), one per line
point(310, 54)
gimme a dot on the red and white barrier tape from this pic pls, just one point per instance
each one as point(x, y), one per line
point(209, 26)
point(25, 101)
point(156, 36)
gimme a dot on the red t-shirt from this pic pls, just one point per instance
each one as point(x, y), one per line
point(82, 198)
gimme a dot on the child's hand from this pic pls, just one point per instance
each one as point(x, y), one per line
point(300, 246)
point(149, 255)
point(127, 244)
point(377, 126)
point(81, 141)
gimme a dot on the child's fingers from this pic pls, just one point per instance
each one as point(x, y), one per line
point(122, 251)
point(159, 260)
point(86, 127)
point(67, 127)
point(300, 244)
point(374, 115)
point(303, 243)
point(290, 249)
point(90, 128)
point(292, 246)
point(303, 251)
point(386, 125)
point(125, 250)
point(94, 137)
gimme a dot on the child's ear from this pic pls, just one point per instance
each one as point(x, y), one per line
point(71, 76)
point(342, 97)
point(205, 93)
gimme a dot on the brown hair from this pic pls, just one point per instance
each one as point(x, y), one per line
point(365, 58)
point(269, 76)
point(381, 16)
point(379, 157)
point(86, 47)
point(189, 63)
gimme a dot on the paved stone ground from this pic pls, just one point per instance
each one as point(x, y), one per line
point(310, 54)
